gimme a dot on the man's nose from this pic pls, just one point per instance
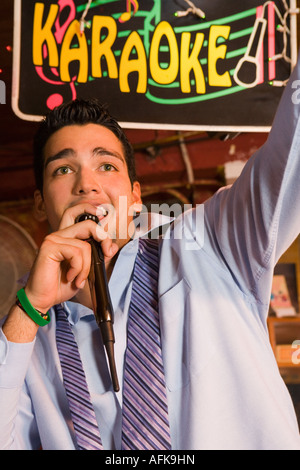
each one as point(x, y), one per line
point(87, 182)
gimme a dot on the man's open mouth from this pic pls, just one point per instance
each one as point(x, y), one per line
point(102, 212)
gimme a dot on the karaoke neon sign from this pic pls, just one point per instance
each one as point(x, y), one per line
point(183, 59)
point(141, 54)
point(145, 50)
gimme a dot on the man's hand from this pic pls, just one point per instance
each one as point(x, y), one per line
point(63, 263)
point(61, 268)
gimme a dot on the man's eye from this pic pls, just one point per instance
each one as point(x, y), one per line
point(63, 170)
point(107, 167)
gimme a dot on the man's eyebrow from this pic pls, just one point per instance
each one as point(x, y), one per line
point(112, 153)
point(62, 154)
point(68, 152)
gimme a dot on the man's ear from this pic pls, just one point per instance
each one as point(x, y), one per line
point(39, 207)
point(137, 197)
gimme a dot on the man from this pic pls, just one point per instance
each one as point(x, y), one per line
point(222, 389)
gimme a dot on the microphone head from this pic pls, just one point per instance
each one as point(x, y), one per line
point(86, 216)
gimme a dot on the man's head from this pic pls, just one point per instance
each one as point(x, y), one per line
point(82, 160)
point(77, 112)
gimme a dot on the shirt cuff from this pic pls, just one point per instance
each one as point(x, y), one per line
point(14, 361)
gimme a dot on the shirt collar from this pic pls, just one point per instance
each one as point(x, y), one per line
point(75, 311)
point(147, 222)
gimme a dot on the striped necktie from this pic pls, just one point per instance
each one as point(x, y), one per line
point(81, 408)
point(145, 411)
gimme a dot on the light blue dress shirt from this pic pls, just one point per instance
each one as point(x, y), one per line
point(216, 266)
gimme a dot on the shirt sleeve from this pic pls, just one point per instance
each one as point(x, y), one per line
point(252, 223)
point(14, 362)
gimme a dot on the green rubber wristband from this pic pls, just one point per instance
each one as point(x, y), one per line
point(38, 317)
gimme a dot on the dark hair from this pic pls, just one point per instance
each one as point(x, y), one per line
point(77, 112)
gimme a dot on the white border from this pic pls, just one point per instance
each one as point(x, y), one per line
point(133, 125)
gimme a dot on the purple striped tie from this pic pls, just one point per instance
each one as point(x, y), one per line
point(145, 411)
point(81, 408)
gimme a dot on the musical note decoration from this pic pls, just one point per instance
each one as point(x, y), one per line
point(127, 15)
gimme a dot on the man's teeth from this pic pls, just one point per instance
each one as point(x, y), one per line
point(92, 217)
point(102, 211)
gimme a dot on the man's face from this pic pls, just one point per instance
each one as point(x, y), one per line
point(86, 164)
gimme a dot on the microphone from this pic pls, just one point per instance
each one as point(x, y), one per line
point(102, 305)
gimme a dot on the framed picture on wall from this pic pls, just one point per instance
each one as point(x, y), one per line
point(284, 296)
